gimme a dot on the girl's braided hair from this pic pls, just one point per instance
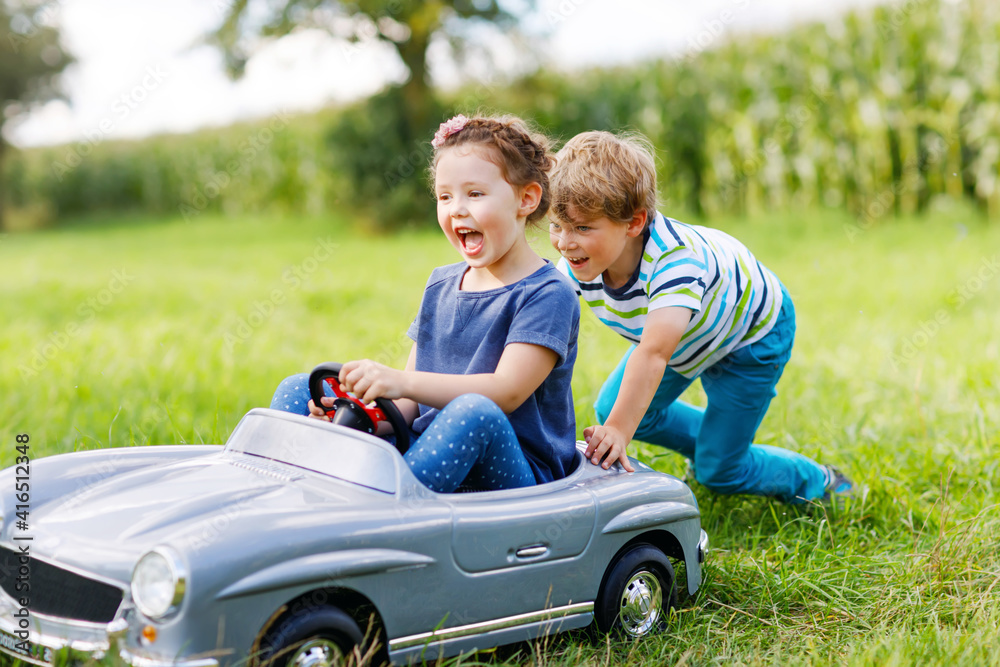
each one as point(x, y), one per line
point(523, 156)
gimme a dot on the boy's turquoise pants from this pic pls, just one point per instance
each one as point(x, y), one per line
point(719, 437)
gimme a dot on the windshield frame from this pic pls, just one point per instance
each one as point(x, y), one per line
point(320, 447)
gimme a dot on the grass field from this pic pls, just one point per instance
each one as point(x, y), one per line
point(145, 331)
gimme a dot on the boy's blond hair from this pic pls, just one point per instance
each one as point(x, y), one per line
point(599, 174)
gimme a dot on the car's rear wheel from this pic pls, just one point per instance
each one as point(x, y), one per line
point(319, 638)
point(637, 593)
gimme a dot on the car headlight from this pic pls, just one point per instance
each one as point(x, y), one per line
point(158, 583)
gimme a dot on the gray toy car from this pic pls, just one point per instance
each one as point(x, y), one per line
point(300, 540)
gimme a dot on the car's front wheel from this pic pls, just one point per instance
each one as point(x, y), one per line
point(319, 638)
point(637, 593)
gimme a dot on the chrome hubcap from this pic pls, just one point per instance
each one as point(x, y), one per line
point(317, 653)
point(641, 604)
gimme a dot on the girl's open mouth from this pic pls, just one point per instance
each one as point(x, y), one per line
point(471, 240)
point(577, 262)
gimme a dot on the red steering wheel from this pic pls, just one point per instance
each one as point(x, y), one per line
point(348, 410)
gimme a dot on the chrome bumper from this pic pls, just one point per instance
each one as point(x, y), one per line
point(45, 636)
point(702, 546)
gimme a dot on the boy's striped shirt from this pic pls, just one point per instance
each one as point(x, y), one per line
point(735, 298)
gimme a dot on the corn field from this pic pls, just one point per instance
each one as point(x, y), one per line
point(881, 112)
point(274, 164)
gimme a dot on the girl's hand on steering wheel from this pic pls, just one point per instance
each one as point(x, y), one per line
point(351, 410)
point(369, 380)
point(320, 413)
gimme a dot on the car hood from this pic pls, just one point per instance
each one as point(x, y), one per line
point(113, 522)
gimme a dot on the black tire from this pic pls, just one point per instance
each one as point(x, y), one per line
point(320, 638)
point(637, 593)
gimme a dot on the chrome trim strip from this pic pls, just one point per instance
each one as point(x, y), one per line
point(445, 634)
point(702, 546)
point(139, 661)
point(263, 466)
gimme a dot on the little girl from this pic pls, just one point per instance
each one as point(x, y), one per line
point(486, 388)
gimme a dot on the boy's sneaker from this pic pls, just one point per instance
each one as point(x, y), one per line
point(837, 485)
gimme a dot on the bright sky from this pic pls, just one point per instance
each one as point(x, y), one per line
point(139, 69)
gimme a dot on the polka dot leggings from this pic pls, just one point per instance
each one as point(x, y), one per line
point(470, 441)
point(292, 395)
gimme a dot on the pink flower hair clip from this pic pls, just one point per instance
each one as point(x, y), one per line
point(448, 128)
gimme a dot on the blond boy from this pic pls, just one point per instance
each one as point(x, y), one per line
point(694, 303)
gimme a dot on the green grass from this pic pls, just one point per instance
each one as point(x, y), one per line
point(894, 379)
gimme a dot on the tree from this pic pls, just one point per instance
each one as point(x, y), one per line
point(408, 26)
point(31, 57)
point(378, 143)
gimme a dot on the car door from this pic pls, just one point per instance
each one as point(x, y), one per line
point(518, 548)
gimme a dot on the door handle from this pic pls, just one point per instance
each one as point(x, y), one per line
point(533, 551)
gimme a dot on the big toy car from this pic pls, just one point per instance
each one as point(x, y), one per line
point(300, 540)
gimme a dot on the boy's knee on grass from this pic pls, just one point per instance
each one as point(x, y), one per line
point(723, 482)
